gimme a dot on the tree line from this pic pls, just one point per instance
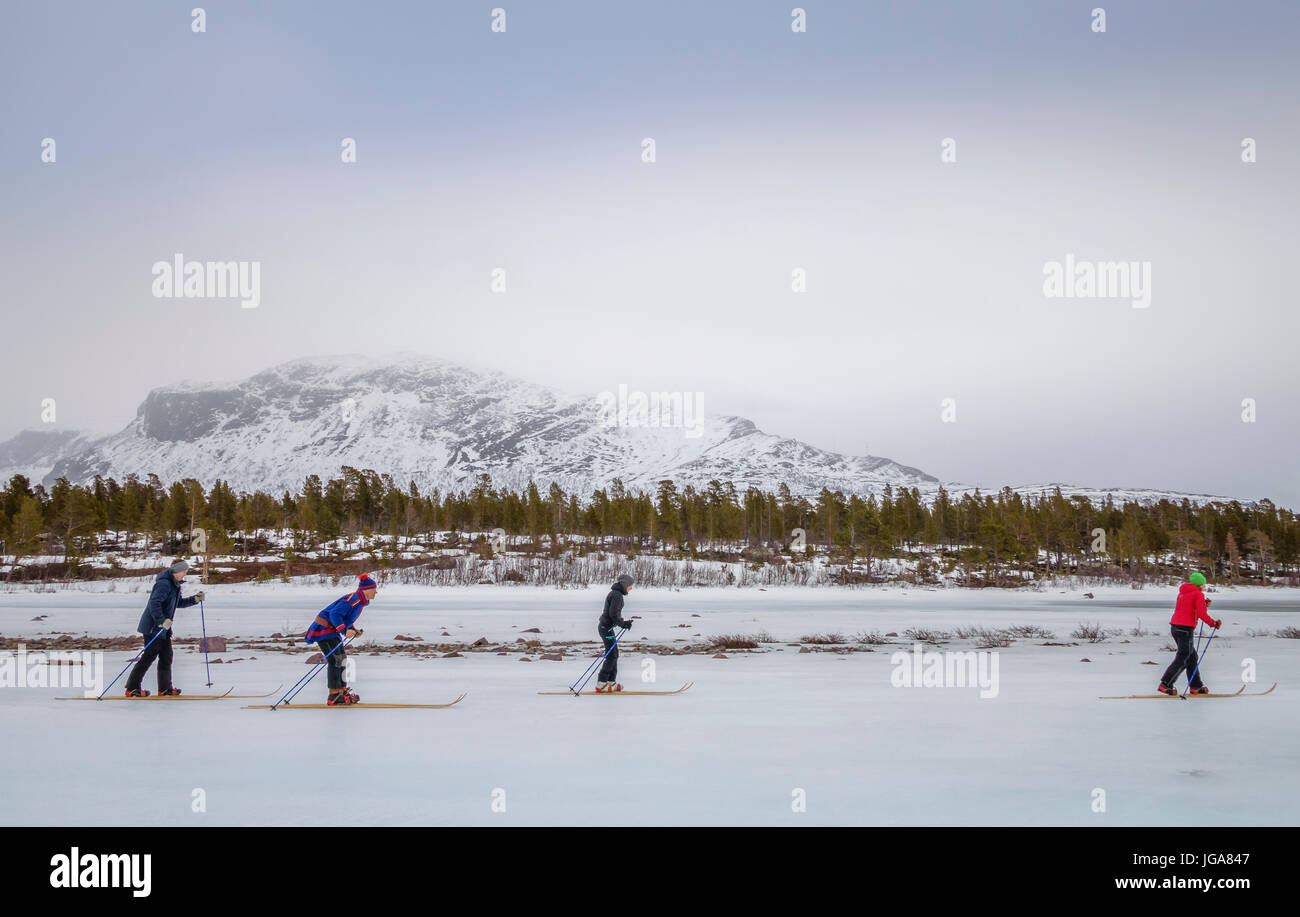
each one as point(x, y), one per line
point(992, 531)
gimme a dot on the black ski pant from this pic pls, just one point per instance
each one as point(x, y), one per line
point(160, 649)
point(1185, 658)
point(335, 661)
point(609, 671)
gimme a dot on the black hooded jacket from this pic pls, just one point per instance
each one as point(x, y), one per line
point(612, 616)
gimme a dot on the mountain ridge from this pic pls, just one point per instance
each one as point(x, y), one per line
point(441, 424)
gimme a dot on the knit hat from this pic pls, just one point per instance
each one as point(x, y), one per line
point(179, 567)
point(1197, 578)
point(366, 583)
point(625, 581)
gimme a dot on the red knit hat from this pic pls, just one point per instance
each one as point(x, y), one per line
point(366, 583)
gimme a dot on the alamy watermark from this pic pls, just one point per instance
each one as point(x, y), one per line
point(626, 408)
point(53, 669)
point(103, 870)
point(181, 279)
point(1070, 279)
point(923, 668)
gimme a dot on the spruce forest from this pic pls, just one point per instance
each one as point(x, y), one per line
point(364, 520)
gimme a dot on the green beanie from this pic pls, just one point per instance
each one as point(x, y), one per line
point(1197, 579)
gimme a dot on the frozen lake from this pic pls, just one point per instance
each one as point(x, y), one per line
point(755, 733)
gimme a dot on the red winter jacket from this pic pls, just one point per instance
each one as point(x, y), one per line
point(1190, 606)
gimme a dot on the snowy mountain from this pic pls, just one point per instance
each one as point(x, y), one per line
point(32, 453)
point(442, 425)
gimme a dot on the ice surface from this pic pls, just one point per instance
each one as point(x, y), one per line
point(731, 751)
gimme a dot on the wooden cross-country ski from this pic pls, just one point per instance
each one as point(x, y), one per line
point(158, 697)
point(1236, 693)
point(618, 693)
point(180, 697)
point(354, 706)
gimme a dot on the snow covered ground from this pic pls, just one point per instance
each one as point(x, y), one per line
point(736, 749)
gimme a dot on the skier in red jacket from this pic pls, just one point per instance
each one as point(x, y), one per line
point(1192, 605)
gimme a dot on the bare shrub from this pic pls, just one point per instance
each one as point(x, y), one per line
point(1093, 633)
point(924, 635)
point(823, 638)
point(734, 642)
point(988, 639)
point(1029, 632)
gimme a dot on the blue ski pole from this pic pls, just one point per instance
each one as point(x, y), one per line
point(586, 676)
point(1199, 659)
point(320, 665)
point(128, 665)
point(206, 668)
point(589, 668)
point(309, 676)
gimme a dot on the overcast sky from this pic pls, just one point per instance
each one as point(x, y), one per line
point(774, 151)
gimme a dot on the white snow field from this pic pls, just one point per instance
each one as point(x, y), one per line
point(736, 749)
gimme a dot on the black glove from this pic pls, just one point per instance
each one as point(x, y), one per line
point(627, 625)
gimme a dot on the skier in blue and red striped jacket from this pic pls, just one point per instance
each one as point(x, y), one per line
point(331, 626)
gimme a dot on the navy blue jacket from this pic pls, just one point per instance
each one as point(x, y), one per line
point(163, 602)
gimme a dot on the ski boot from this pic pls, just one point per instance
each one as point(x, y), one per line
point(136, 692)
point(340, 699)
point(602, 687)
point(1167, 689)
point(1199, 689)
point(170, 692)
point(610, 687)
point(356, 698)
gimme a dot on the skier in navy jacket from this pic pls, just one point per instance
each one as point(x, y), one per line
point(329, 629)
point(164, 599)
point(610, 618)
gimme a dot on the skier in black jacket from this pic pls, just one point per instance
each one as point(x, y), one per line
point(610, 618)
point(164, 599)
